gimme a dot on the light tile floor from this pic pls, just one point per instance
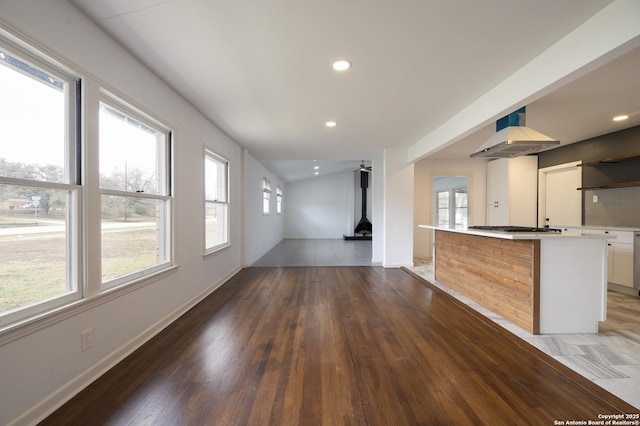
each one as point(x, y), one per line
point(611, 358)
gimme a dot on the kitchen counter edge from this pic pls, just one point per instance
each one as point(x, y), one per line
point(512, 235)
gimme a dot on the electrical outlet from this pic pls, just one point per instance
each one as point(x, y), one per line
point(86, 339)
point(595, 198)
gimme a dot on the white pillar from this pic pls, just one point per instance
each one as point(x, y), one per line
point(398, 209)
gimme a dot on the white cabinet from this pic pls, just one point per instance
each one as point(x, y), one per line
point(622, 264)
point(620, 255)
point(621, 258)
point(498, 214)
point(498, 181)
point(512, 191)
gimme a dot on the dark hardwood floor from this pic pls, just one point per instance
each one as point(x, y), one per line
point(338, 346)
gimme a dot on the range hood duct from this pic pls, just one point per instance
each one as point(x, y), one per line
point(513, 139)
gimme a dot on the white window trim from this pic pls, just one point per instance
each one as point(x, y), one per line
point(279, 198)
point(210, 250)
point(266, 195)
point(28, 51)
point(451, 210)
point(166, 233)
point(89, 294)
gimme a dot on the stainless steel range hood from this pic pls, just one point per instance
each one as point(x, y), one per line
point(513, 139)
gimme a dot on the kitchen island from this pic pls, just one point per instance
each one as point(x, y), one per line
point(543, 282)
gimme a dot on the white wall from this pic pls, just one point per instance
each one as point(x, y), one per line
point(376, 187)
point(398, 209)
point(42, 366)
point(425, 170)
point(321, 207)
point(261, 232)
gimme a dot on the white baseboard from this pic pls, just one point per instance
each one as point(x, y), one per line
point(397, 265)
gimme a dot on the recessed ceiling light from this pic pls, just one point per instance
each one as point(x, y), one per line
point(316, 167)
point(316, 173)
point(341, 65)
point(330, 124)
point(620, 117)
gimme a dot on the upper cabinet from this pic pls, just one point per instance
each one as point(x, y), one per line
point(512, 191)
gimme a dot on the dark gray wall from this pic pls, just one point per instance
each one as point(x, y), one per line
point(614, 207)
point(618, 143)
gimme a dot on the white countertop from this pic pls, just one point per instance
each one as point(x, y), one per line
point(513, 235)
point(602, 227)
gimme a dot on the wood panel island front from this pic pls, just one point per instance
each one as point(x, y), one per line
point(543, 282)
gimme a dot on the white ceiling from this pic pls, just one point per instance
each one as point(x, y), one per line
point(261, 70)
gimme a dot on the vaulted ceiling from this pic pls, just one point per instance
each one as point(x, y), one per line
point(261, 71)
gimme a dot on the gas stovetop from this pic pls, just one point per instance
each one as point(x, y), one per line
point(514, 229)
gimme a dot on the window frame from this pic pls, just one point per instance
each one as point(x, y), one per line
point(452, 206)
point(266, 196)
point(164, 195)
point(72, 184)
point(279, 196)
point(211, 154)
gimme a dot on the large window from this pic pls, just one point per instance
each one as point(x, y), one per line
point(39, 185)
point(136, 194)
point(216, 175)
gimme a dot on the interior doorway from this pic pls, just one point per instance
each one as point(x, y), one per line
point(560, 202)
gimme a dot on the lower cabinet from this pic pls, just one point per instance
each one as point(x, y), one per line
point(621, 264)
point(620, 255)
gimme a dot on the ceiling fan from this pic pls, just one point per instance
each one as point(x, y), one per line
point(364, 168)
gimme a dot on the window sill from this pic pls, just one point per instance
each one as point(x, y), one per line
point(23, 328)
point(216, 249)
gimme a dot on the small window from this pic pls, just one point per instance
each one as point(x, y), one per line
point(136, 196)
point(216, 176)
point(461, 211)
point(442, 198)
point(278, 200)
point(266, 196)
point(452, 207)
point(39, 185)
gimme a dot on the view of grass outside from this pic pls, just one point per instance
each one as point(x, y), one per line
point(215, 224)
point(33, 254)
point(128, 249)
point(33, 245)
point(130, 236)
point(32, 264)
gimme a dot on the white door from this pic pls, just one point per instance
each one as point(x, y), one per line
point(562, 200)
